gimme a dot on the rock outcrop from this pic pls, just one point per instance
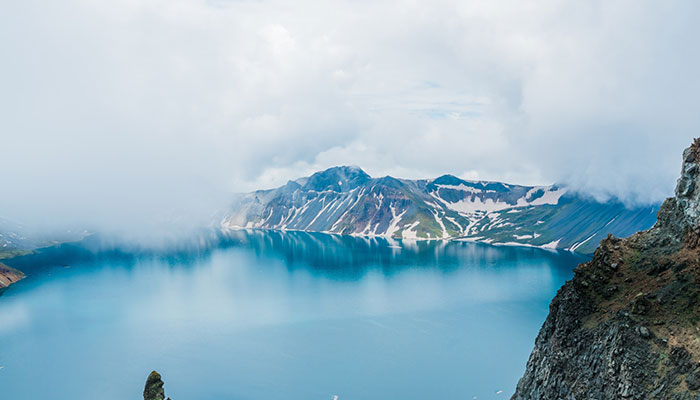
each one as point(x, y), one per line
point(8, 276)
point(627, 325)
point(154, 387)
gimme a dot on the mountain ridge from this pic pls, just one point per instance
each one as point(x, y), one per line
point(347, 200)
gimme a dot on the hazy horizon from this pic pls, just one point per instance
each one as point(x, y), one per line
point(117, 115)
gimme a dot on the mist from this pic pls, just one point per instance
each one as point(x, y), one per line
point(145, 117)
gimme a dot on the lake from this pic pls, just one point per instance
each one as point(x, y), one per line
point(272, 315)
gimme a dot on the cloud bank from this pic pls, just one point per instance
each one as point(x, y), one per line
point(118, 114)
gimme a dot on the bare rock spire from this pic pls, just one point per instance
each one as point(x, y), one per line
point(154, 388)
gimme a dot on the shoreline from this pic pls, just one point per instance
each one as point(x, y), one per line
point(470, 239)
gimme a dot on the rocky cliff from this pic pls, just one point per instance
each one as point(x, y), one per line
point(627, 325)
point(8, 276)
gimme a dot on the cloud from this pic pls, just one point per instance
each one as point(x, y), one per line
point(116, 113)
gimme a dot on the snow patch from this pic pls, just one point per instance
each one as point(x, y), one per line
point(445, 235)
point(395, 220)
point(409, 232)
point(464, 188)
point(549, 197)
point(579, 244)
point(551, 245)
point(473, 205)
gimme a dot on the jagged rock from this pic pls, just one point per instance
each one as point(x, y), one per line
point(607, 333)
point(692, 380)
point(154, 387)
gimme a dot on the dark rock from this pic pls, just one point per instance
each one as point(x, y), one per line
point(680, 358)
point(640, 305)
point(610, 291)
point(154, 387)
point(692, 380)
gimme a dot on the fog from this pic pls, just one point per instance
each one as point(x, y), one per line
point(118, 116)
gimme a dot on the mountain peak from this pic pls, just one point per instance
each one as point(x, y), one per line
point(338, 179)
point(451, 180)
point(448, 179)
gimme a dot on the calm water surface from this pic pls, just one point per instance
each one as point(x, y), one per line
point(289, 316)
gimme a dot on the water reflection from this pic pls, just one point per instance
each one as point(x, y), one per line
point(351, 257)
point(338, 256)
point(276, 315)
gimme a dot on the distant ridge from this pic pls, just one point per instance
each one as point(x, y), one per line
point(347, 200)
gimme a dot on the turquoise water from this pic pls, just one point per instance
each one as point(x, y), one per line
point(290, 316)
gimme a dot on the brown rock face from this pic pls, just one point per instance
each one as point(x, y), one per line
point(627, 325)
point(9, 276)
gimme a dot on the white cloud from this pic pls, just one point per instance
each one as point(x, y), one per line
point(112, 111)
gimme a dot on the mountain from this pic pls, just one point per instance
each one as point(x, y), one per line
point(626, 326)
point(346, 200)
point(17, 239)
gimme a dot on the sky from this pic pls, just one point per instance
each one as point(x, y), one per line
point(117, 114)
